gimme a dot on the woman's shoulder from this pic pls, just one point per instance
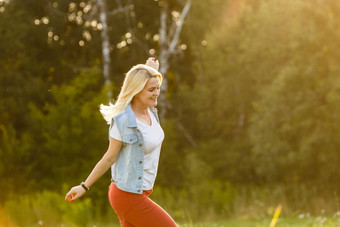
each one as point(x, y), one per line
point(121, 115)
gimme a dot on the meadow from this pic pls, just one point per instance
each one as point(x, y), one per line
point(49, 209)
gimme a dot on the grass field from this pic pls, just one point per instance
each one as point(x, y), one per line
point(36, 210)
point(282, 222)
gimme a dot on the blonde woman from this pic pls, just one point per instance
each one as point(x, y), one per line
point(135, 142)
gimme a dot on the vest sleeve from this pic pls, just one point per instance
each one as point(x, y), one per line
point(114, 132)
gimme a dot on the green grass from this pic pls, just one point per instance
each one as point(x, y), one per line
point(282, 222)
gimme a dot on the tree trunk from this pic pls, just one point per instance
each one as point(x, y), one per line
point(167, 49)
point(105, 44)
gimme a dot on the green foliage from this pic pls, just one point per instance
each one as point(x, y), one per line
point(198, 202)
point(170, 170)
point(12, 152)
point(199, 196)
point(294, 124)
point(256, 103)
point(294, 132)
point(272, 54)
point(71, 132)
point(204, 191)
point(50, 209)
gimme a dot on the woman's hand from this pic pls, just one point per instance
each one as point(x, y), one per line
point(152, 62)
point(75, 193)
point(102, 166)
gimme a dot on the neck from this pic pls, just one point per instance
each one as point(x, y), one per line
point(139, 109)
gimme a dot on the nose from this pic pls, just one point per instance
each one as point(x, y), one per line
point(156, 92)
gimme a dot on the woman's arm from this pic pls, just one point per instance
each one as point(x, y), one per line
point(102, 166)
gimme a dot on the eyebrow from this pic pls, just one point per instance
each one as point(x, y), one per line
point(153, 87)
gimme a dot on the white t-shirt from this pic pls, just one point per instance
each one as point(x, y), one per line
point(153, 136)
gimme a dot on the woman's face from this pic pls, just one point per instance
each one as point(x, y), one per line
point(148, 96)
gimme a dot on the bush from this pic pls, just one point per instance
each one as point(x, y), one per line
point(48, 209)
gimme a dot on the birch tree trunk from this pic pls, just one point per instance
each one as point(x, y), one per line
point(105, 44)
point(168, 44)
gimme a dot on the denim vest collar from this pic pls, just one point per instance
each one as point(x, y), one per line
point(131, 117)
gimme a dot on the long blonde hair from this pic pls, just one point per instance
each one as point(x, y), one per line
point(134, 83)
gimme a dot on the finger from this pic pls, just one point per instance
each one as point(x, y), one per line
point(69, 196)
point(74, 197)
point(71, 199)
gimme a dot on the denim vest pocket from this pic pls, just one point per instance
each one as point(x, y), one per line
point(130, 139)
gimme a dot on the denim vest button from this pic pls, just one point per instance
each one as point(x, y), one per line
point(138, 190)
point(140, 162)
point(139, 178)
point(140, 145)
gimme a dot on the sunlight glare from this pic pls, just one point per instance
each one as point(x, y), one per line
point(72, 17)
point(45, 20)
point(82, 4)
point(94, 23)
point(147, 36)
point(152, 51)
point(87, 35)
point(183, 46)
point(128, 35)
point(234, 11)
point(87, 8)
point(99, 26)
point(72, 6)
point(79, 20)
point(155, 37)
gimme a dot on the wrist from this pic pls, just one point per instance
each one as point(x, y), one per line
point(82, 184)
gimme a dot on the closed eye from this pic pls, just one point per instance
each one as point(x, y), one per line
point(152, 89)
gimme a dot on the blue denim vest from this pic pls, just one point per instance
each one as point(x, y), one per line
point(127, 171)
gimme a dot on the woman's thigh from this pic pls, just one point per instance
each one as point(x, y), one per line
point(138, 210)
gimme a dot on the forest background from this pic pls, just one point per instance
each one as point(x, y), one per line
point(250, 107)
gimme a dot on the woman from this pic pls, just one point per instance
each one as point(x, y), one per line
point(133, 154)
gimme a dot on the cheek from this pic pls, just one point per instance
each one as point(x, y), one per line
point(146, 94)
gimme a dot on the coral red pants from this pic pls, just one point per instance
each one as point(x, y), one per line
point(137, 210)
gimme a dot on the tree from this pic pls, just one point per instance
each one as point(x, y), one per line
point(242, 58)
point(69, 133)
point(293, 129)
